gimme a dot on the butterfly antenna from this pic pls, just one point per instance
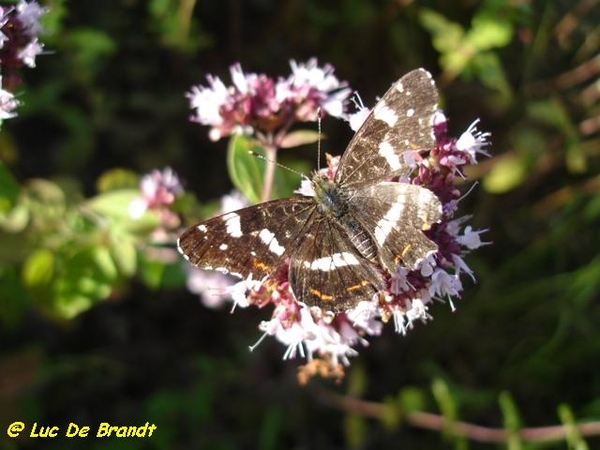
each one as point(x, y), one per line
point(319, 139)
point(283, 166)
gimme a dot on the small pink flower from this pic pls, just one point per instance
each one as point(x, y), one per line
point(158, 192)
point(30, 51)
point(8, 104)
point(19, 44)
point(29, 13)
point(214, 288)
point(257, 104)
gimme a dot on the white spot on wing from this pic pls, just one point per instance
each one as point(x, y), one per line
point(385, 225)
point(387, 151)
point(332, 262)
point(386, 114)
point(425, 197)
point(234, 226)
point(223, 247)
point(269, 238)
point(202, 228)
point(410, 113)
point(181, 250)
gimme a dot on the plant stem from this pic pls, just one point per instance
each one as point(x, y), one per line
point(271, 162)
point(438, 423)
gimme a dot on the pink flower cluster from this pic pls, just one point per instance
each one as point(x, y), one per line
point(19, 46)
point(260, 105)
point(159, 191)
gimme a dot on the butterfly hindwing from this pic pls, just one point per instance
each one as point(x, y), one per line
point(400, 214)
point(251, 241)
point(328, 272)
point(400, 122)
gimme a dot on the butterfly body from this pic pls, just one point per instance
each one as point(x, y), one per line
point(341, 241)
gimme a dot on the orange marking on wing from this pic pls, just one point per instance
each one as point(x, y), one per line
point(259, 265)
point(398, 258)
point(357, 286)
point(322, 296)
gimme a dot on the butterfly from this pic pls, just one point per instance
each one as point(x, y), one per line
point(343, 242)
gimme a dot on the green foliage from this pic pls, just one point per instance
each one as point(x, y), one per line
point(470, 52)
point(174, 22)
point(9, 190)
point(574, 439)
point(247, 170)
point(71, 253)
point(512, 421)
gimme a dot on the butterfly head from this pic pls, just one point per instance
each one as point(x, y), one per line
point(330, 199)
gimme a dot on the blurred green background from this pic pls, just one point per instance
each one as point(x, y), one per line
point(110, 93)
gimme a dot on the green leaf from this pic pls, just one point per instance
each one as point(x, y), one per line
point(272, 428)
point(13, 297)
point(446, 35)
point(14, 221)
point(489, 32)
point(445, 401)
point(117, 179)
point(512, 421)
point(464, 51)
point(245, 169)
point(71, 304)
point(104, 263)
point(124, 254)
point(115, 205)
point(391, 416)
point(412, 399)
point(90, 46)
point(9, 189)
point(46, 199)
point(573, 436)
point(553, 112)
point(86, 276)
point(38, 269)
point(355, 430)
point(490, 72)
point(52, 21)
point(508, 172)
point(152, 272)
point(449, 409)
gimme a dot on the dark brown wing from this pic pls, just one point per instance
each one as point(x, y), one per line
point(401, 121)
point(327, 271)
point(399, 213)
point(251, 241)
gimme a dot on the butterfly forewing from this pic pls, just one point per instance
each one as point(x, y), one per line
point(401, 121)
point(251, 241)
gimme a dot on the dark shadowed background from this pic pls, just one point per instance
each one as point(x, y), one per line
point(110, 93)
